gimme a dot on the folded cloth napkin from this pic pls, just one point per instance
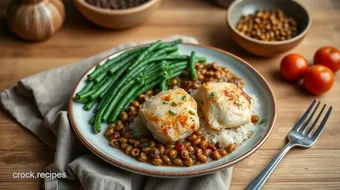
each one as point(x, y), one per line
point(39, 104)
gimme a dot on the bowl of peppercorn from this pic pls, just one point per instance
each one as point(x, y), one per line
point(116, 14)
point(267, 28)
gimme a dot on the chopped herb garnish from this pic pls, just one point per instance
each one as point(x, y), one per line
point(237, 101)
point(262, 121)
point(175, 87)
point(202, 102)
point(191, 112)
point(213, 94)
point(172, 112)
point(184, 98)
point(165, 102)
point(173, 104)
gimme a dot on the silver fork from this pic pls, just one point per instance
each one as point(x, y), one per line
point(300, 135)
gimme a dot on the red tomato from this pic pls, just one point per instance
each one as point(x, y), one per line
point(293, 66)
point(318, 79)
point(329, 57)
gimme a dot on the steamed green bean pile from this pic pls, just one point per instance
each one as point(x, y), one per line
point(113, 85)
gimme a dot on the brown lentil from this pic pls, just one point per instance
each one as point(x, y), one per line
point(146, 150)
point(119, 127)
point(115, 143)
point(198, 133)
point(187, 143)
point(230, 148)
point(152, 144)
point(120, 122)
point(124, 116)
point(190, 148)
point(142, 157)
point(202, 158)
point(132, 141)
point(135, 152)
point(109, 132)
point(207, 152)
point(161, 149)
point(136, 144)
point(196, 141)
point(199, 151)
point(135, 104)
point(154, 152)
point(144, 140)
point(192, 137)
point(267, 25)
point(177, 162)
point(122, 140)
point(157, 161)
point(203, 145)
point(166, 159)
point(174, 81)
point(223, 152)
point(184, 153)
point(173, 153)
point(132, 108)
point(123, 146)
point(188, 161)
point(128, 149)
point(215, 155)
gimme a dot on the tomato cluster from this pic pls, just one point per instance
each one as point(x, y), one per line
point(318, 78)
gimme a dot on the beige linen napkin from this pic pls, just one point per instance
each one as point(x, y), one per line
point(39, 104)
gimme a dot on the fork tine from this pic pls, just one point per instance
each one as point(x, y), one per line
point(298, 124)
point(303, 128)
point(322, 124)
point(316, 120)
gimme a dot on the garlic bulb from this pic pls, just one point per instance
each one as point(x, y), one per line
point(35, 19)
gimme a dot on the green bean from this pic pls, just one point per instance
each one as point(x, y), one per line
point(99, 77)
point(201, 59)
point(164, 85)
point(91, 121)
point(106, 100)
point(192, 69)
point(93, 90)
point(109, 62)
point(178, 64)
point(133, 94)
point(145, 53)
point(175, 42)
point(89, 105)
point(88, 87)
point(117, 66)
point(164, 50)
point(100, 102)
point(169, 57)
point(117, 97)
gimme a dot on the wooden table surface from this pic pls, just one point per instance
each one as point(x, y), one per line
point(314, 168)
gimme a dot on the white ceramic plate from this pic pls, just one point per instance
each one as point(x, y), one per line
point(255, 84)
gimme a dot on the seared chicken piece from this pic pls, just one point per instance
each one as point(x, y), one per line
point(224, 105)
point(170, 115)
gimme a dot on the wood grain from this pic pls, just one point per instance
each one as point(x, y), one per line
point(314, 168)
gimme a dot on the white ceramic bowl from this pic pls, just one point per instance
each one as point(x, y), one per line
point(255, 84)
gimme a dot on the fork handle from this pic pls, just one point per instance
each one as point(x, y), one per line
point(264, 175)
